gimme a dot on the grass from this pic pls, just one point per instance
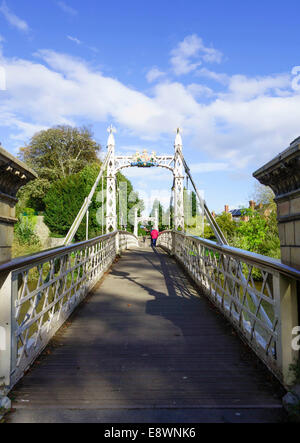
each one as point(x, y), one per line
point(19, 250)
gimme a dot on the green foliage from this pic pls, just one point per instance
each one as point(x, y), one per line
point(263, 194)
point(255, 232)
point(252, 233)
point(194, 204)
point(259, 234)
point(64, 200)
point(33, 194)
point(60, 151)
point(54, 154)
point(66, 196)
point(227, 225)
point(24, 231)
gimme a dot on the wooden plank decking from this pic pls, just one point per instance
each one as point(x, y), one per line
point(147, 347)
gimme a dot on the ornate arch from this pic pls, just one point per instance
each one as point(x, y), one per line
point(144, 160)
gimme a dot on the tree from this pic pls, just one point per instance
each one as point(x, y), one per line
point(226, 224)
point(54, 154)
point(263, 194)
point(32, 194)
point(252, 233)
point(65, 198)
point(60, 151)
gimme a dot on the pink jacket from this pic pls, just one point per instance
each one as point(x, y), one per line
point(154, 233)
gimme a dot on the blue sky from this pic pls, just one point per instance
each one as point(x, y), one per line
point(220, 70)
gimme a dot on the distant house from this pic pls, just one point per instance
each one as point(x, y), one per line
point(263, 209)
point(236, 214)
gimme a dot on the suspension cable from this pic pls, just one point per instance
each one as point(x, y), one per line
point(214, 225)
point(86, 203)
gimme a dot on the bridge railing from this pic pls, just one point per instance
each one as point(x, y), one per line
point(256, 293)
point(39, 292)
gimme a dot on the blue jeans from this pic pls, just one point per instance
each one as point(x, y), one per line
point(153, 241)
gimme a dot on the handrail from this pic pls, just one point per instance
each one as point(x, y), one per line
point(255, 258)
point(19, 262)
point(39, 292)
point(264, 312)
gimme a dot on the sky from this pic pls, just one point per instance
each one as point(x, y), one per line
point(226, 72)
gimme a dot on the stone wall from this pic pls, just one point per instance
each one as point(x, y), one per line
point(13, 175)
point(282, 174)
point(7, 221)
point(43, 232)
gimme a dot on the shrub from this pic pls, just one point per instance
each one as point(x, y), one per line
point(24, 231)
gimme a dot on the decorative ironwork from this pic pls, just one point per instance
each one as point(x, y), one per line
point(40, 292)
point(228, 276)
point(144, 160)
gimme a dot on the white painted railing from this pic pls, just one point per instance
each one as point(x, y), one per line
point(256, 293)
point(39, 292)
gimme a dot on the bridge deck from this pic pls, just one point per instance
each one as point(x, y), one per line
point(146, 347)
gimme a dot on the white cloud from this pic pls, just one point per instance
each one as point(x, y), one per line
point(197, 90)
point(74, 39)
point(252, 118)
point(218, 77)
point(190, 53)
point(154, 74)
point(208, 167)
point(67, 9)
point(12, 18)
point(243, 87)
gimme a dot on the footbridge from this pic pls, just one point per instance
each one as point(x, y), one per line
point(112, 330)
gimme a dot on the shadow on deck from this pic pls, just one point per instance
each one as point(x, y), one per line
point(145, 346)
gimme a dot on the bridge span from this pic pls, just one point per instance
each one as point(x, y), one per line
point(149, 342)
point(109, 330)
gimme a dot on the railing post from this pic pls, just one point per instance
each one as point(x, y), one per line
point(5, 333)
point(286, 308)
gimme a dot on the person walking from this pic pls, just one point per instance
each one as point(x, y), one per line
point(154, 235)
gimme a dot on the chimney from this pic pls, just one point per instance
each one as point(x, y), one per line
point(252, 205)
point(226, 209)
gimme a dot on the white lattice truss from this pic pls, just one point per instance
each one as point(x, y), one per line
point(229, 276)
point(38, 293)
point(42, 291)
